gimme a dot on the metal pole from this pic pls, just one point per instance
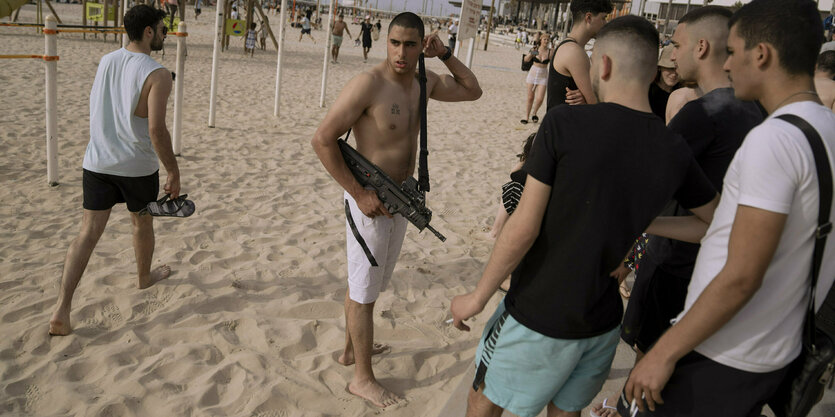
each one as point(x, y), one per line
point(667, 18)
point(688, 7)
point(489, 24)
point(124, 11)
point(280, 52)
point(219, 23)
point(51, 62)
point(178, 88)
point(470, 52)
point(327, 52)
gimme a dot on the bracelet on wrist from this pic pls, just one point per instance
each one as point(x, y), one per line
point(447, 55)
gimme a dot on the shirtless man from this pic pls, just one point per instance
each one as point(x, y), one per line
point(121, 165)
point(381, 106)
point(569, 68)
point(824, 82)
point(336, 34)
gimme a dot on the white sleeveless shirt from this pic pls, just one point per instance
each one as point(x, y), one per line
point(120, 143)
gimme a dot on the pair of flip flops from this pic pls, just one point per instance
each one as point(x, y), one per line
point(166, 207)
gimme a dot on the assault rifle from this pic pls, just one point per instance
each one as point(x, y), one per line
point(405, 198)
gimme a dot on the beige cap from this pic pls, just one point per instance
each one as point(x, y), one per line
point(664, 60)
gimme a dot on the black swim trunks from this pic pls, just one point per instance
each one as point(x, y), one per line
point(306, 31)
point(103, 191)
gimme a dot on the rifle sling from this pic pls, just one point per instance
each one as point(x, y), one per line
point(358, 236)
point(423, 167)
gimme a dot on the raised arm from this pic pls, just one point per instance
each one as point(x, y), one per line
point(159, 84)
point(349, 106)
point(461, 86)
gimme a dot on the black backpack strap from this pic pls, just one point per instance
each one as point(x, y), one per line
point(423, 167)
point(824, 173)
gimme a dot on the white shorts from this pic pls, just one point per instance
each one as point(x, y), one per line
point(537, 75)
point(384, 238)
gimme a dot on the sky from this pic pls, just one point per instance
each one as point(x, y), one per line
point(438, 7)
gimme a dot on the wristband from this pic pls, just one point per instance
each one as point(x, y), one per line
point(446, 56)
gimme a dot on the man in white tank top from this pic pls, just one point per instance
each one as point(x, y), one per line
point(127, 135)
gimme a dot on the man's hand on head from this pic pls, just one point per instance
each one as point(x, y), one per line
point(433, 46)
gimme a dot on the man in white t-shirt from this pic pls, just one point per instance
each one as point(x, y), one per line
point(741, 326)
point(127, 135)
point(453, 34)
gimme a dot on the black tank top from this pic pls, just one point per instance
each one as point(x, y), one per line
point(558, 82)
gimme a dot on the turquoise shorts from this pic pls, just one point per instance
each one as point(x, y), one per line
point(523, 370)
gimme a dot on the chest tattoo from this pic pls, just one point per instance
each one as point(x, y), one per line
point(395, 109)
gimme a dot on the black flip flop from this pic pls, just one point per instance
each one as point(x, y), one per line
point(165, 207)
point(524, 121)
point(535, 119)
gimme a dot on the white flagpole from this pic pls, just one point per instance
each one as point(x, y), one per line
point(283, 20)
point(215, 59)
point(327, 53)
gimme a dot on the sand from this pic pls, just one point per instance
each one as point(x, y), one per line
point(250, 322)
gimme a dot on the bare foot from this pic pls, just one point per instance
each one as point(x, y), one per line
point(348, 358)
point(158, 274)
point(605, 410)
point(375, 393)
point(59, 325)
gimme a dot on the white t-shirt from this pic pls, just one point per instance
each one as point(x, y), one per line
point(773, 170)
point(120, 143)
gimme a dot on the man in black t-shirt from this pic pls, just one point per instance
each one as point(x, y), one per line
point(714, 126)
point(552, 340)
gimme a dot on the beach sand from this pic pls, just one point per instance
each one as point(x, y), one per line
point(251, 320)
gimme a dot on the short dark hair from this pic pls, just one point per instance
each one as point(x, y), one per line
point(705, 12)
point(633, 26)
point(138, 18)
point(826, 62)
point(792, 27)
point(581, 7)
point(408, 20)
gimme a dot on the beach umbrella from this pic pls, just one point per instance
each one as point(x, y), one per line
point(8, 6)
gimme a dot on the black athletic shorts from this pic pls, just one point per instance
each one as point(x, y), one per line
point(663, 302)
point(702, 387)
point(366, 43)
point(103, 191)
point(305, 31)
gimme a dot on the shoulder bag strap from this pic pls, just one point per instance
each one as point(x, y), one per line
point(824, 225)
point(423, 168)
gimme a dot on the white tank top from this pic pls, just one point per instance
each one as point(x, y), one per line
point(119, 140)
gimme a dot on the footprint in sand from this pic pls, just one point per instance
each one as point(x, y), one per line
point(112, 313)
point(33, 396)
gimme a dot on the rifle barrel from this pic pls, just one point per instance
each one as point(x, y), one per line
point(437, 233)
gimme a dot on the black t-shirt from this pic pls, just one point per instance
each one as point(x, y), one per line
point(658, 99)
point(562, 287)
point(714, 126)
point(365, 30)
